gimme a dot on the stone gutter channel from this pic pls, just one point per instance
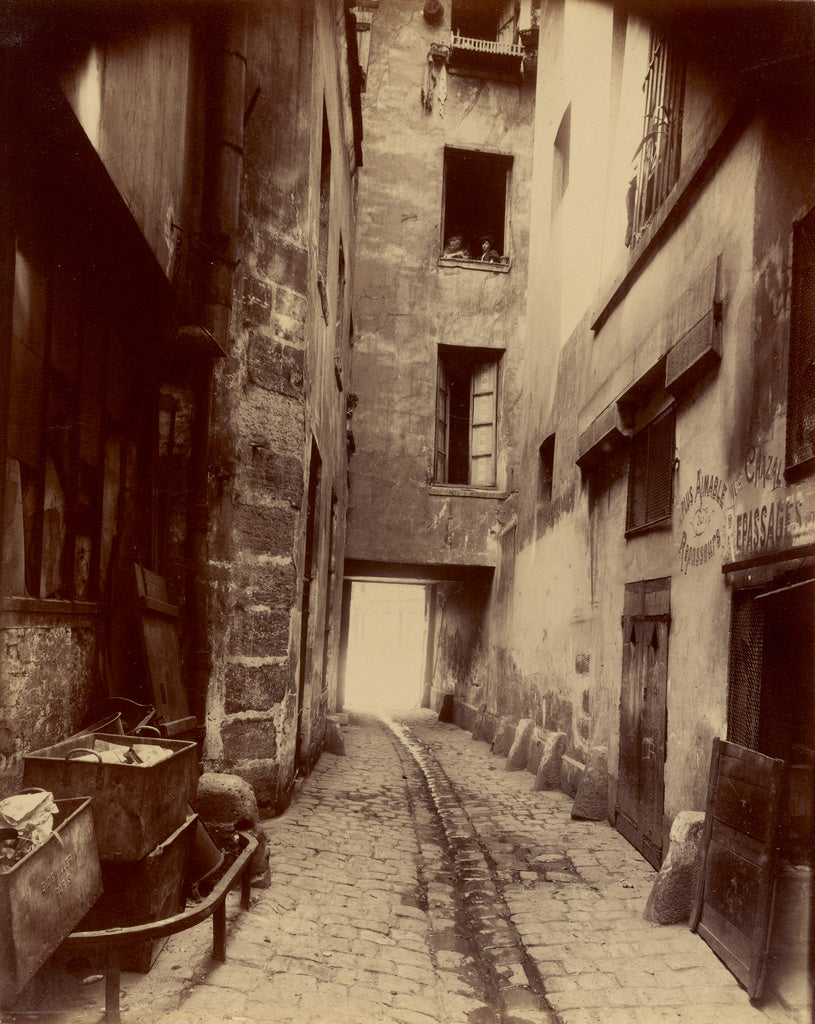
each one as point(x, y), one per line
point(510, 982)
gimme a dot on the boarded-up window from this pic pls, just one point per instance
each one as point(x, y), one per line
point(466, 416)
point(801, 386)
point(72, 404)
point(650, 475)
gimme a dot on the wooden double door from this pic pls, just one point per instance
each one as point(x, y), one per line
point(643, 716)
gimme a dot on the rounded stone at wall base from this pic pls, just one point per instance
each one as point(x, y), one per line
point(549, 767)
point(504, 736)
point(519, 751)
point(261, 869)
point(672, 895)
point(591, 799)
point(334, 739)
point(226, 799)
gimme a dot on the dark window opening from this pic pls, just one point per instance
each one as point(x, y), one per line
point(325, 205)
point(466, 414)
point(485, 19)
point(476, 187)
point(650, 476)
point(800, 453)
point(546, 465)
point(560, 161)
point(658, 155)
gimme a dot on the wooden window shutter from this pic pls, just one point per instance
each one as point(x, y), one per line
point(442, 424)
point(801, 381)
point(650, 477)
point(483, 406)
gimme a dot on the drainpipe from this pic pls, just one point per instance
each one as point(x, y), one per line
point(225, 98)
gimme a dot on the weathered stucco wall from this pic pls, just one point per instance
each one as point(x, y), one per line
point(406, 305)
point(48, 676)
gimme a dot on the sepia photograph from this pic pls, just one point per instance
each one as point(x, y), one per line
point(407, 475)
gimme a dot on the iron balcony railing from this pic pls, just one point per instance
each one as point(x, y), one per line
point(485, 46)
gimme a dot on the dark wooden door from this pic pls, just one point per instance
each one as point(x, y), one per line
point(734, 895)
point(643, 712)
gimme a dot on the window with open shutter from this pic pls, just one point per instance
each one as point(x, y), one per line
point(442, 423)
point(801, 382)
point(482, 447)
point(650, 476)
point(466, 417)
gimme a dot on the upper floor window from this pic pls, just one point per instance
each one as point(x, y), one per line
point(476, 208)
point(560, 158)
point(800, 454)
point(546, 469)
point(650, 474)
point(485, 34)
point(466, 416)
point(658, 154)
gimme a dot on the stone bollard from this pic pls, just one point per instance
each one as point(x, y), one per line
point(447, 711)
point(536, 741)
point(591, 799)
point(504, 736)
point(226, 803)
point(672, 896)
point(479, 730)
point(548, 773)
point(519, 751)
point(334, 739)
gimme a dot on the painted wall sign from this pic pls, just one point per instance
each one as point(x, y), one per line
point(764, 514)
point(753, 514)
point(702, 508)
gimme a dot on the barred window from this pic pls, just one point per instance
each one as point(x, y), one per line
point(801, 381)
point(658, 154)
point(650, 475)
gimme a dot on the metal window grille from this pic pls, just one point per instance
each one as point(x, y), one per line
point(657, 157)
point(801, 380)
point(744, 672)
point(650, 474)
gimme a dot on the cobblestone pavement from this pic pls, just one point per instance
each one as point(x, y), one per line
point(576, 892)
point(414, 881)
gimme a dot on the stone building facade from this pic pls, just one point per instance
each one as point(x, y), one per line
point(177, 269)
point(665, 479)
point(440, 309)
point(654, 590)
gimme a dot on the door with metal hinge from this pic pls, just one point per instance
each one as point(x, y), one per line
point(643, 716)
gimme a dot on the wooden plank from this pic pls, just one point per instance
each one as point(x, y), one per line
point(162, 652)
point(735, 889)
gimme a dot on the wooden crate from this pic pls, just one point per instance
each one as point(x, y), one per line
point(46, 893)
point(135, 807)
point(137, 892)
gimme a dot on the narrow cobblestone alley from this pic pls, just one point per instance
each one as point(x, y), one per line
point(414, 881)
